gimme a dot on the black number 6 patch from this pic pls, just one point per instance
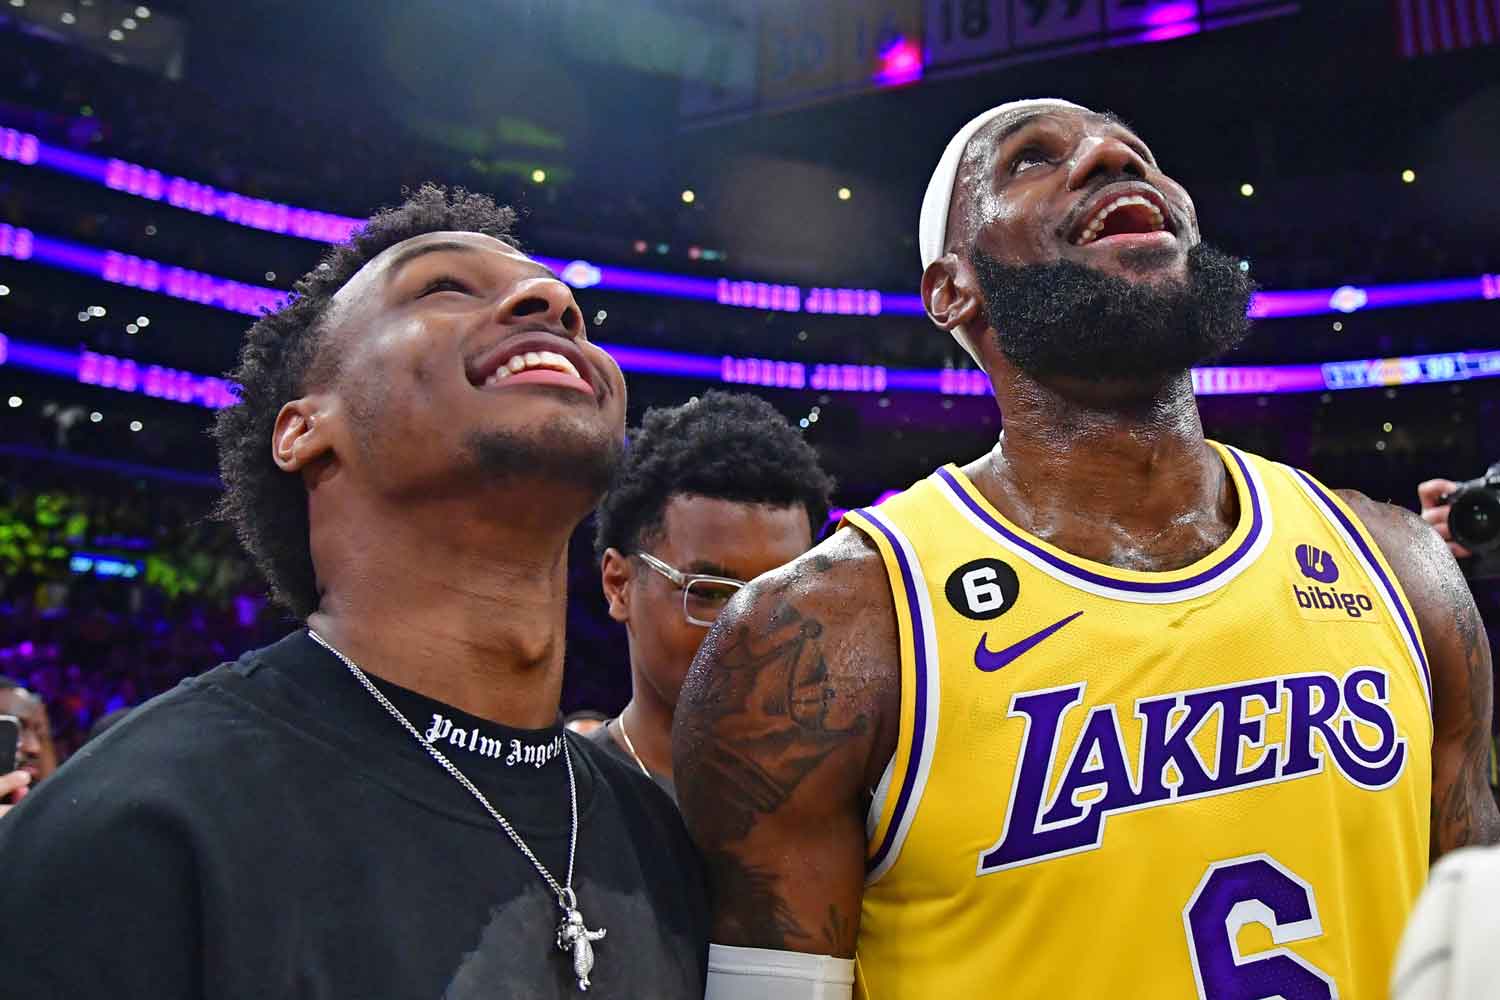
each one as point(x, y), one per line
point(983, 589)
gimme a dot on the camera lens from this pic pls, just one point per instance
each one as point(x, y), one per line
point(1475, 518)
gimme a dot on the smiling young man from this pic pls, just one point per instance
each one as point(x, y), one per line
point(711, 494)
point(383, 803)
point(1111, 710)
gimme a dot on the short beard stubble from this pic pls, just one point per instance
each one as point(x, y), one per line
point(571, 456)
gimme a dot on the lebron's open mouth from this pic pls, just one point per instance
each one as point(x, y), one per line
point(1134, 214)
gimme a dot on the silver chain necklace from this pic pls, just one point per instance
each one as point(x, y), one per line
point(572, 934)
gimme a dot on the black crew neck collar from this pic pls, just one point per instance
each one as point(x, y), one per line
point(334, 703)
point(468, 740)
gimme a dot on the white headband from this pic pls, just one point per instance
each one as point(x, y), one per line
point(932, 227)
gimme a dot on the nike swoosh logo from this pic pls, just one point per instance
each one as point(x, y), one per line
point(989, 661)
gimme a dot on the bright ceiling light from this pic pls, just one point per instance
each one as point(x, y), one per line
point(845, 194)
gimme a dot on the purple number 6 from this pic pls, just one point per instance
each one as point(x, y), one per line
point(1254, 889)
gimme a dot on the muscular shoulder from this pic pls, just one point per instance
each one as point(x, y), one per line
point(836, 578)
point(1423, 566)
point(841, 583)
point(805, 658)
point(833, 605)
point(1463, 808)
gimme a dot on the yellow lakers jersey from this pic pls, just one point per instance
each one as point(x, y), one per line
point(1212, 782)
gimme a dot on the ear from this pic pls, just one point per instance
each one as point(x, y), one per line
point(949, 293)
point(302, 434)
point(616, 572)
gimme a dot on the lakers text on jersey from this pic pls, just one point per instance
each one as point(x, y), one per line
point(1208, 782)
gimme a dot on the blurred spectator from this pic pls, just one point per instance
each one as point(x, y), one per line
point(711, 494)
point(35, 753)
point(1433, 494)
point(104, 722)
point(584, 721)
point(12, 787)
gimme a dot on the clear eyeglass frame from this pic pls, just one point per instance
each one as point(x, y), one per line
point(702, 593)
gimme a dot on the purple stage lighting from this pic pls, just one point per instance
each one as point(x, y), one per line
point(1165, 21)
point(139, 272)
point(16, 243)
point(195, 286)
point(256, 213)
point(38, 358)
point(123, 374)
point(126, 375)
point(222, 293)
point(900, 63)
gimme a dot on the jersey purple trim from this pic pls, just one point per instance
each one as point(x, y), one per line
point(919, 716)
point(1336, 512)
point(1257, 523)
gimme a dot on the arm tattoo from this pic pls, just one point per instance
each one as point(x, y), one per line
point(767, 701)
point(1459, 819)
point(758, 913)
point(837, 932)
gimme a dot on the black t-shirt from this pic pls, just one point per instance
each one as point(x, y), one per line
point(604, 738)
point(269, 830)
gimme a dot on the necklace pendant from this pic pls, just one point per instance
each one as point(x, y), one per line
point(573, 936)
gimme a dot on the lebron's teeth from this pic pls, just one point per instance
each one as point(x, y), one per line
point(545, 360)
point(1096, 225)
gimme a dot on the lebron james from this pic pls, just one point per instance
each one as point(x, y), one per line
point(1113, 710)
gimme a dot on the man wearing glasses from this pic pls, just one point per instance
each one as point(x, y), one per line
point(711, 494)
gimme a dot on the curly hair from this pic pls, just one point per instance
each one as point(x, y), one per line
point(727, 446)
point(281, 360)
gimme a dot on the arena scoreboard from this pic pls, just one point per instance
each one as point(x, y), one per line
point(774, 55)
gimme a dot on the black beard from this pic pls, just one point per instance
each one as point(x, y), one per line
point(556, 454)
point(1064, 319)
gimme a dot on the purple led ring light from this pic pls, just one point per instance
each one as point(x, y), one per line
point(222, 293)
point(276, 217)
point(127, 375)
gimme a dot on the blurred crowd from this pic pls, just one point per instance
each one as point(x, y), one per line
point(113, 589)
point(88, 644)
